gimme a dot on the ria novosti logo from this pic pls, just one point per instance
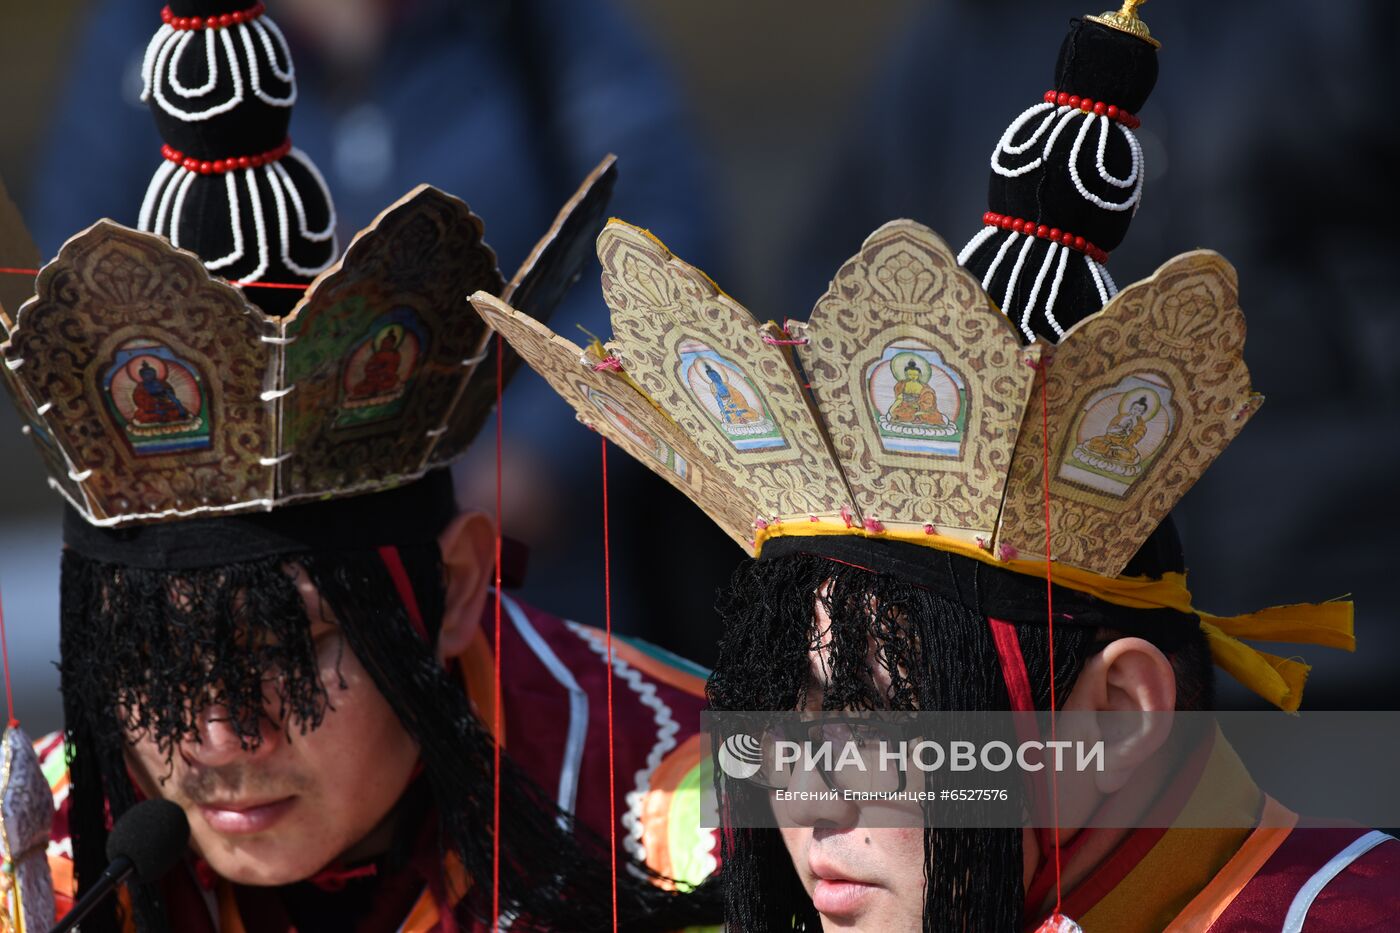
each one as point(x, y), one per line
point(740, 756)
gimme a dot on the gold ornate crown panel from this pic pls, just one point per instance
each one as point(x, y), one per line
point(373, 356)
point(150, 376)
point(921, 384)
point(17, 250)
point(605, 402)
point(706, 362)
point(1143, 396)
point(60, 470)
point(537, 288)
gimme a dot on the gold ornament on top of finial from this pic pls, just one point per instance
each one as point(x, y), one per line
point(1126, 19)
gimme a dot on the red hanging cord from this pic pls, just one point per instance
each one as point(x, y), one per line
point(607, 617)
point(496, 712)
point(8, 270)
point(5, 648)
point(1050, 612)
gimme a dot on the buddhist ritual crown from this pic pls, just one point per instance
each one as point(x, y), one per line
point(907, 406)
point(188, 369)
point(994, 405)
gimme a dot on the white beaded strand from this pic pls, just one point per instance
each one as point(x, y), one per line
point(1045, 265)
point(1006, 145)
point(1006, 301)
point(1108, 279)
point(178, 208)
point(1084, 192)
point(1098, 280)
point(163, 61)
point(264, 25)
point(274, 182)
point(1133, 147)
point(211, 67)
point(316, 236)
point(148, 60)
point(1055, 294)
point(153, 191)
point(163, 210)
point(255, 79)
point(992, 269)
point(160, 66)
point(1067, 115)
point(259, 226)
point(236, 221)
point(977, 240)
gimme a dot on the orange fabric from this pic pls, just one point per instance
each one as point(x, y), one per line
point(424, 915)
point(1144, 902)
point(1200, 915)
point(61, 868)
point(479, 674)
point(229, 919)
point(659, 670)
point(64, 885)
point(1171, 868)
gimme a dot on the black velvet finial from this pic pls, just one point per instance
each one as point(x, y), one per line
point(230, 190)
point(1051, 176)
point(1106, 64)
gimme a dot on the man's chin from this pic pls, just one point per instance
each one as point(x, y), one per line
point(269, 860)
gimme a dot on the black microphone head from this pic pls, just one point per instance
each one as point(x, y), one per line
point(153, 835)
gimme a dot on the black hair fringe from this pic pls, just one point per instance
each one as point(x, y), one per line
point(938, 655)
point(143, 652)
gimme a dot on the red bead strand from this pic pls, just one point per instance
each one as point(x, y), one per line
point(222, 21)
point(1053, 234)
point(1064, 99)
point(219, 166)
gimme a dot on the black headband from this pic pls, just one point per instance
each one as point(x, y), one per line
point(994, 591)
point(414, 513)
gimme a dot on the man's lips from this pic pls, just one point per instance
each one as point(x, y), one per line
point(837, 893)
point(242, 817)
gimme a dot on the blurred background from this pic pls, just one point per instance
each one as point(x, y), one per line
point(762, 142)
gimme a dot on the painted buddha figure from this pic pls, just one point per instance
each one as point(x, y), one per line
point(1118, 442)
point(733, 407)
point(914, 401)
point(381, 369)
point(155, 400)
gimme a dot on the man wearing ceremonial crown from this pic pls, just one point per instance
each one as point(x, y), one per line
point(276, 616)
point(1023, 583)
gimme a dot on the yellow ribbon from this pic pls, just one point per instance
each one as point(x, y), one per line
point(1278, 680)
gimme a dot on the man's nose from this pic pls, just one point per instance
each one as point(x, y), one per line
point(815, 804)
point(217, 741)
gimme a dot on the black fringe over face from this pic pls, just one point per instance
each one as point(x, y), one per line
point(938, 655)
point(156, 647)
point(144, 651)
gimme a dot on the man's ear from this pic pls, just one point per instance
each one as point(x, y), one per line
point(1133, 684)
point(468, 547)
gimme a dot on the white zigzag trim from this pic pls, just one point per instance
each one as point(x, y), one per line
point(666, 729)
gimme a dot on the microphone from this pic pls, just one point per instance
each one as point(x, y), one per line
point(146, 842)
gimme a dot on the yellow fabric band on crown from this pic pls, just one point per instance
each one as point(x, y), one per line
point(1276, 679)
